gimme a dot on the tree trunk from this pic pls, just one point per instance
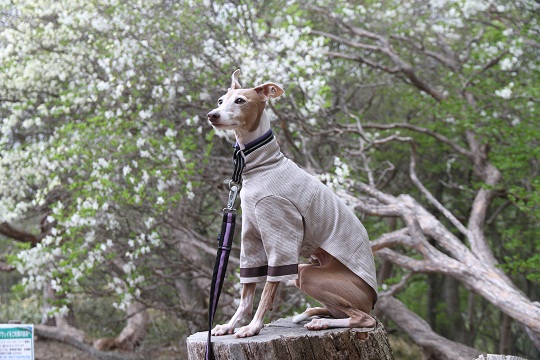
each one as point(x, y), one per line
point(433, 296)
point(456, 329)
point(505, 342)
point(285, 340)
point(434, 345)
point(132, 334)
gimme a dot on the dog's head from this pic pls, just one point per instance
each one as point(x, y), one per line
point(242, 108)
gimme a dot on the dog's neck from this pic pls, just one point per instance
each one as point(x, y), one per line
point(244, 137)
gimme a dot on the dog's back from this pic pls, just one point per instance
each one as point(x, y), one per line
point(327, 222)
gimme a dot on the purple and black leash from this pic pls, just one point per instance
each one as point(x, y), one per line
point(225, 238)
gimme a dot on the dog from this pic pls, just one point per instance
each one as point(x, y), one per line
point(288, 214)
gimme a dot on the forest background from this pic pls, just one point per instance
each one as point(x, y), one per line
point(422, 115)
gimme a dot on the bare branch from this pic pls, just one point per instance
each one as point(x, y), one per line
point(430, 197)
point(406, 262)
point(433, 228)
point(398, 237)
point(362, 143)
point(394, 289)
point(486, 67)
point(389, 168)
point(364, 60)
point(477, 217)
point(347, 42)
point(421, 333)
point(422, 130)
point(200, 242)
point(393, 138)
point(370, 207)
point(383, 47)
point(403, 66)
point(377, 194)
point(446, 59)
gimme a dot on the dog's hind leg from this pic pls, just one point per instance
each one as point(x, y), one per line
point(356, 319)
point(345, 296)
point(311, 312)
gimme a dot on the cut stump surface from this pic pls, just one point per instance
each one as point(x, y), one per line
point(286, 340)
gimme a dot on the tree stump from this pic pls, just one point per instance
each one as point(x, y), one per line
point(286, 340)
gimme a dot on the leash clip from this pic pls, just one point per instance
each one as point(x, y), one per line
point(234, 188)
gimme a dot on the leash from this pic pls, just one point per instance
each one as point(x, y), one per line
point(225, 237)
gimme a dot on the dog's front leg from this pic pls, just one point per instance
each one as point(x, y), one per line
point(245, 308)
point(266, 303)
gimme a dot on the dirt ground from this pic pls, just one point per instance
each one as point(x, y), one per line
point(55, 350)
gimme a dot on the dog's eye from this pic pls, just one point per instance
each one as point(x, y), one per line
point(239, 101)
point(219, 102)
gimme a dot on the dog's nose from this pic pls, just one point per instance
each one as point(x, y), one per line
point(213, 116)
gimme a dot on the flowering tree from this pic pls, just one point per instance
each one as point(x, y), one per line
point(106, 176)
point(98, 141)
point(418, 111)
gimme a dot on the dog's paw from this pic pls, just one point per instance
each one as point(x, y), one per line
point(319, 324)
point(300, 317)
point(222, 330)
point(247, 331)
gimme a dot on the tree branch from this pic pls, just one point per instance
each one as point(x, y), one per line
point(433, 345)
point(364, 60)
point(459, 149)
point(370, 208)
point(447, 61)
point(398, 237)
point(430, 197)
point(6, 267)
point(19, 235)
point(397, 287)
point(477, 217)
point(415, 265)
point(383, 46)
point(347, 42)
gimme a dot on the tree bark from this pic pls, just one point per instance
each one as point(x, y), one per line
point(132, 334)
point(20, 235)
point(456, 329)
point(505, 342)
point(461, 263)
point(285, 340)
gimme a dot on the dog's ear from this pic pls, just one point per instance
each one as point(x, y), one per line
point(269, 90)
point(234, 83)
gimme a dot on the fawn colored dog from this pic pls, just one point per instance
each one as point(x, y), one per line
point(288, 214)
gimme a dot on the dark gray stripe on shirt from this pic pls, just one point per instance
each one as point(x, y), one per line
point(283, 270)
point(254, 272)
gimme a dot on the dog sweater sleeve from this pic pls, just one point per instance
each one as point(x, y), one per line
point(281, 229)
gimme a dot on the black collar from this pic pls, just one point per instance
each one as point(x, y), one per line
point(239, 156)
point(257, 143)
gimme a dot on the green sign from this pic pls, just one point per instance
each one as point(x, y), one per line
point(16, 342)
